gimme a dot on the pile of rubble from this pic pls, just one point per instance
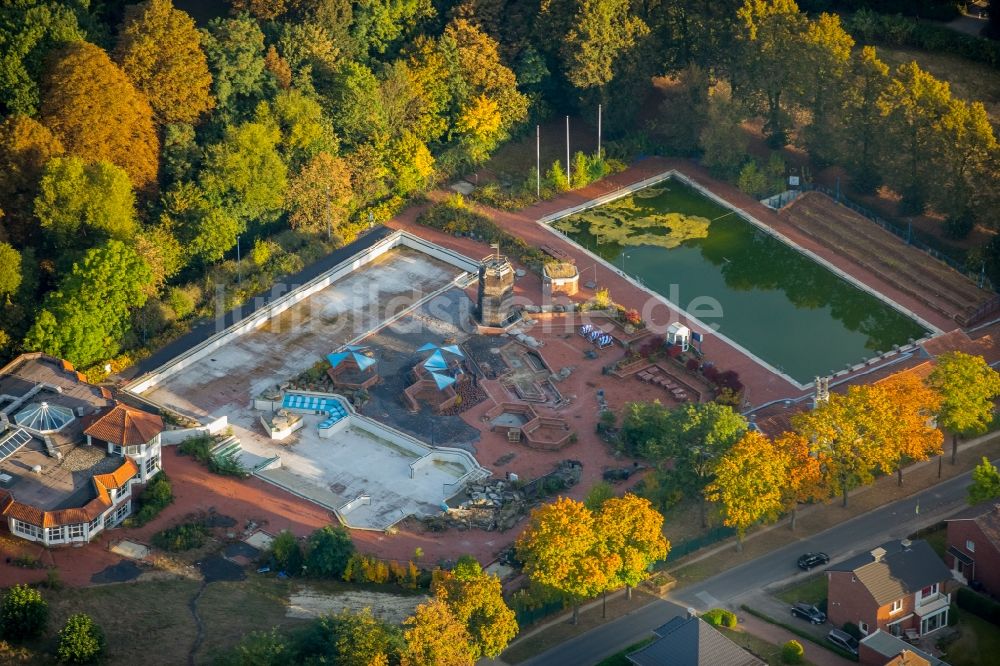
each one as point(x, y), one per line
point(498, 504)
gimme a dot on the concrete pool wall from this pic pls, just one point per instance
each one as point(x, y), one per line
point(300, 293)
point(547, 220)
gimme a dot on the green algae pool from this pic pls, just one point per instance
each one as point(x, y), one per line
point(776, 302)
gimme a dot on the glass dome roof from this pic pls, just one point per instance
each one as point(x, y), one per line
point(43, 417)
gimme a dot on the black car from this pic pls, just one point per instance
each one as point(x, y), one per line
point(810, 560)
point(808, 612)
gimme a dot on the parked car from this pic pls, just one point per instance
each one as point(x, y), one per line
point(810, 560)
point(843, 640)
point(808, 612)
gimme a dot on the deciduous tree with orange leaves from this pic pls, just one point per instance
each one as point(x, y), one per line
point(98, 115)
point(476, 599)
point(435, 637)
point(560, 548)
point(159, 48)
point(632, 530)
point(748, 483)
point(909, 408)
point(804, 482)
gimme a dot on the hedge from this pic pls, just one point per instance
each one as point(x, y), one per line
point(897, 30)
point(978, 604)
point(720, 617)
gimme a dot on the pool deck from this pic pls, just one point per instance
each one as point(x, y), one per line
point(763, 384)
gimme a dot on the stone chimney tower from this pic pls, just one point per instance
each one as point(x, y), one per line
point(496, 289)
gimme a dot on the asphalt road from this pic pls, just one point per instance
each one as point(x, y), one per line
point(893, 521)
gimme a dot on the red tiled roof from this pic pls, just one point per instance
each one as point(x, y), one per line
point(125, 426)
point(88, 512)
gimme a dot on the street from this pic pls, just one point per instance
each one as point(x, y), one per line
point(731, 587)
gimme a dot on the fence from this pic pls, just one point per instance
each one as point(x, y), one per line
point(688, 546)
point(527, 616)
point(907, 234)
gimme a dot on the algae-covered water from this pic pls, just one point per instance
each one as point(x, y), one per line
point(776, 302)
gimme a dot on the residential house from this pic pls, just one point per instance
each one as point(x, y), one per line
point(690, 641)
point(974, 546)
point(900, 588)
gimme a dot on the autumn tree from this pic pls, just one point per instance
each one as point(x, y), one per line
point(379, 23)
point(85, 320)
point(279, 68)
point(804, 481)
point(98, 115)
point(26, 146)
point(910, 406)
point(319, 196)
point(348, 639)
point(985, 482)
point(631, 532)
point(476, 599)
point(827, 58)
point(304, 129)
point(842, 433)
point(968, 386)
point(159, 48)
point(435, 637)
point(411, 164)
point(964, 148)
point(722, 140)
point(748, 483)
point(863, 121)
point(262, 9)
point(560, 548)
point(80, 204)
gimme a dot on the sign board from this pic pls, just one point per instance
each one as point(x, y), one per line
point(793, 181)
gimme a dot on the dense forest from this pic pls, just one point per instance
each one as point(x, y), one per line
point(143, 152)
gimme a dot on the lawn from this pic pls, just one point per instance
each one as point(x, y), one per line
point(812, 590)
point(936, 536)
point(978, 639)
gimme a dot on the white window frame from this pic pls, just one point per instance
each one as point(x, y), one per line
point(96, 524)
point(896, 607)
point(27, 529)
point(76, 531)
point(863, 627)
point(970, 545)
point(57, 533)
point(152, 464)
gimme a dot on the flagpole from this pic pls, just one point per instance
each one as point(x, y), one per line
point(569, 175)
point(538, 161)
point(598, 132)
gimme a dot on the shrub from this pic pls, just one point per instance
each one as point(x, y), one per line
point(978, 604)
point(199, 448)
point(178, 538)
point(329, 551)
point(227, 465)
point(80, 640)
point(154, 498)
point(23, 613)
point(181, 302)
point(792, 652)
point(287, 553)
point(720, 617)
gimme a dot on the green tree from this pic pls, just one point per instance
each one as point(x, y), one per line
point(914, 105)
point(328, 550)
point(80, 640)
point(97, 114)
point(561, 549)
point(827, 58)
point(476, 599)
point(722, 140)
point(320, 195)
point(379, 23)
point(305, 130)
point(234, 48)
point(245, 173)
point(10, 276)
point(349, 639)
point(29, 31)
point(598, 494)
point(205, 230)
point(863, 119)
point(86, 318)
point(411, 163)
point(600, 31)
point(770, 58)
point(356, 107)
point(260, 648)
point(159, 48)
point(82, 204)
point(964, 149)
point(985, 482)
point(752, 180)
point(23, 613)
point(968, 387)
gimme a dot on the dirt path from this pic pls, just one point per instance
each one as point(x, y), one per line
point(199, 625)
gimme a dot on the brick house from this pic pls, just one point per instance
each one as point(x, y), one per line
point(901, 588)
point(974, 546)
